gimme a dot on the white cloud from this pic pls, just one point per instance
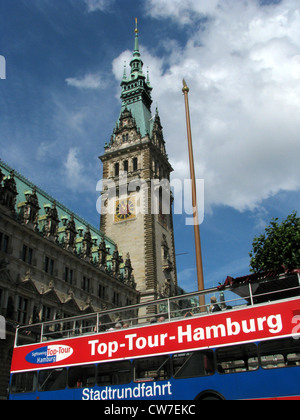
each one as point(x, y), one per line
point(243, 69)
point(74, 172)
point(89, 81)
point(183, 12)
point(102, 5)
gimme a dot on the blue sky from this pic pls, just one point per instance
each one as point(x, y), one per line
point(241, 59)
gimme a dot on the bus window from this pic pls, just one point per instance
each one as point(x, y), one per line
point(29, 335)
point(52, 380)
point(152, 369)
point(237, 359)
point(82, 377)
point(115, 373)
point(277, 354)
point(23, 383)
point(190, 365)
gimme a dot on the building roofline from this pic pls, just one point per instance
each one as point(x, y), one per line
point(51, 199)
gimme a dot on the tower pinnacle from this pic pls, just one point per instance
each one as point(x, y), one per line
point(136, 90)
point(136, 63)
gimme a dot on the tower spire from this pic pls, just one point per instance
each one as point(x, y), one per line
point(136, 90)
point(136, 40)
point(136, 62)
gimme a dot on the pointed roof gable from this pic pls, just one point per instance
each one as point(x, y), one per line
point(71, 304)
point(28, 284)
point(51, 295)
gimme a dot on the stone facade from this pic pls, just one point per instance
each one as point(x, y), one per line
point(52, 263)
point(136, 199)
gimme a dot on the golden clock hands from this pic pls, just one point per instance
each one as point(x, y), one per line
point(124, 208)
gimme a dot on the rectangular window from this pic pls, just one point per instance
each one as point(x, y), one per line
point(27, 254)
point(24, 253)
point(22, 310)
point(46, 313)
point(101, 292)
point(115, 373)
point(152, 369)
point(52, 380)
point(4, 244)
point(117, 169)
point(191, 365)
point(49, 266)
point(23, 383)
point(237, 359)
point(82, 377)
point(277, 354)
point(86, 284)
point(68, 276)
point(116, 299)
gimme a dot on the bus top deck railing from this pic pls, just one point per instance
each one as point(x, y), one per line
point(163, 310)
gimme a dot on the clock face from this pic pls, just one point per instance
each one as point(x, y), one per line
point(125, 210)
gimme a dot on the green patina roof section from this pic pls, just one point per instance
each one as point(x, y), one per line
point(142, 116)
point(136, 92)
point(25, 186)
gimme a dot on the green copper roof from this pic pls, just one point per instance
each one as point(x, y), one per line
point(25, 187)
point(136, 92)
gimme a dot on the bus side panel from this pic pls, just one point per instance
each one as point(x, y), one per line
point(261, 384)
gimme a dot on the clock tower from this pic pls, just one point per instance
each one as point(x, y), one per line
point(136, 199)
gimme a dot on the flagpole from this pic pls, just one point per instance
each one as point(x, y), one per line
point(200, 275)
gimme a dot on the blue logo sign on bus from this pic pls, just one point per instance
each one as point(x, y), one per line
point(49, 355)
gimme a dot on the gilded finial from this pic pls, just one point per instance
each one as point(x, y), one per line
point(185, 87)
point(136, 26)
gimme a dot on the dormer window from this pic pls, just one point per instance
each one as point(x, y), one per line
point(125, 138)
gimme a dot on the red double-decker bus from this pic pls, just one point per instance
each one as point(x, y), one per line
point(243, 344)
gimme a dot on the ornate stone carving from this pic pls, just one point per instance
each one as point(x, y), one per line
point(70, 235)
point(116, 261)
point(87, 245)
point(31, 209)
point(102, 255)
point(52, 222)
point(9, 192)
